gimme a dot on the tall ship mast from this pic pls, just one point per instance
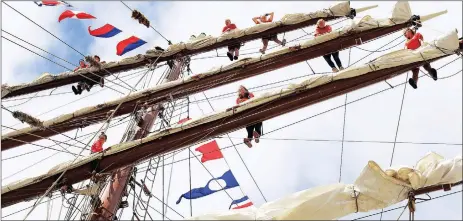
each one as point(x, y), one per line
point(222, 126)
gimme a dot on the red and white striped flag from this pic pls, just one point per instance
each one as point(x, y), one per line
point(75, 15)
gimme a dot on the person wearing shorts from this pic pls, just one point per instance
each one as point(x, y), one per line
point(265, 19)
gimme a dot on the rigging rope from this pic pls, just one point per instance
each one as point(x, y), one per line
point(396, 208)
point(396, 132)
point(331, 109)
point(242, 160)
point(169, 42)
point(65, 44)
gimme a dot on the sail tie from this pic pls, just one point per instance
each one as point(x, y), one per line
point(23, 117)
point(141, 18)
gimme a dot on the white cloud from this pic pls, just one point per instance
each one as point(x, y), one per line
point(430, 114)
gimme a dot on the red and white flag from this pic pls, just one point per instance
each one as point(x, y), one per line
point(75, 15)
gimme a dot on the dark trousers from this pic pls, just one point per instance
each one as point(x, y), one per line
point(416, 71)
point(336, 59)
point(257, 127)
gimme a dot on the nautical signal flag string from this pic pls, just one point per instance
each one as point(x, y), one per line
point(52, 3)
point(241, 203)
point(128, 44)
point(106, 31)
point(75, 15)
point(227, 177)
point(211, 151)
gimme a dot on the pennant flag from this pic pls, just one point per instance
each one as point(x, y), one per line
point(74, 14)
point(52, 3)
point(128, 45)
point(210, 151)
point(230, 182)
point(245, 202)
point(106, 31)
point(183, 120)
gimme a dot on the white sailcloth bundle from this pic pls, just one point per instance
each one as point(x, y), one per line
point(374, 189)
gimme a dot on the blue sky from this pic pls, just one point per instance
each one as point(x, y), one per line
point(431, 114)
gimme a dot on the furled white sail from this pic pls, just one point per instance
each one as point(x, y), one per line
point(443, 45)
point(357, 25)
point(338, 9)
point(373, 189)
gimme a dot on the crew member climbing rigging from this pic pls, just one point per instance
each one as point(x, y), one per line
point(264, 19)
point(255, 129)
point(414, 42)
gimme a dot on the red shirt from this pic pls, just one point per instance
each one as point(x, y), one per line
point(77, 68)
point(97, 146)
point(414, 42)
point(321, 31)
point(240, 100)
point(228, 27)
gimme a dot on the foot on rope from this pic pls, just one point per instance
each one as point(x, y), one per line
point(236, 57)
point(247, 141)
point(262, 51)
point(283, 43)
point(412, 83)
point(334, 70)
point(433, 74)
point(230, 56)
point(256, 136)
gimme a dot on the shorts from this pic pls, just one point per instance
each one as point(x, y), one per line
point(270, 38)
point(233, 47)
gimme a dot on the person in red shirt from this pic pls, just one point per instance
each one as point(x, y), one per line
point(235, 48)
point(98, 145)
point(322, 29)
point(264, 19)
point(414, 42)
point(82, 64)
point(255, 129)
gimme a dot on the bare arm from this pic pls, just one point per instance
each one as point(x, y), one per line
point(255, 19)
point(271, 17)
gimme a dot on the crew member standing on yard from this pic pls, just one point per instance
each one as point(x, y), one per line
point(325, 29)
point(255, 129)
point(98, 145)
point(413, 43)
point(264, 19)
point(235, 48)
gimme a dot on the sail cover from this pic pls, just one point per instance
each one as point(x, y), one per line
point(373, 189)
point(442, 47)
point(196, 45)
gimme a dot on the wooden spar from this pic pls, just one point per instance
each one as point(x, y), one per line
point(202, 132)
point(112, 194)
point(209, 82)
point(146, 60)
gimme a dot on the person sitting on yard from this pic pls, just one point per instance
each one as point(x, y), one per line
point(264, 19)
point(233, 49)
point(255, 129)
point(98, 145)
point(414, 42)
point(324, 29)
point(82, 64)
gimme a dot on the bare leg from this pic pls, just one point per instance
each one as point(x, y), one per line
point(237, 53)
point(264, 48)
